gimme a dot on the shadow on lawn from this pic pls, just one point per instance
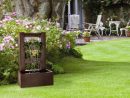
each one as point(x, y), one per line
point(76, 65)
point(81, 72)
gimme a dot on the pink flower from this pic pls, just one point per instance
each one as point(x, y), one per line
point(1, 47)
point(7, 18)
point(19, 22)
point(1, 24)
point(14, 14)
point(68, 45)
point(30, 25)
point(27, 24)
point(7, 39)
point(12, 47)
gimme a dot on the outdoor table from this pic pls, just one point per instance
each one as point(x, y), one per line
point(117, 23)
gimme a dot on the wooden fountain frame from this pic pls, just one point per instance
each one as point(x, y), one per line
point(38, 78)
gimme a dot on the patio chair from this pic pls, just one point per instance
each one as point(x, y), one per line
point(124, 30)
point(95, 27)
point(102, 29)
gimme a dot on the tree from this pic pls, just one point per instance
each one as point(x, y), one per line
point(53, 9)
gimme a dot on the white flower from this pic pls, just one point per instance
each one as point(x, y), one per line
point(38, 27)
point(27, 26)
point(57, 24)
point(63, 32)
point(47, 28)
point(16, 45)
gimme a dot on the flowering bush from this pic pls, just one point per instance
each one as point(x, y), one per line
point(9, 62)
point(12, 26)
point(57, 44)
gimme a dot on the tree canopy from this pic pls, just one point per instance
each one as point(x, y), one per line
point(107, 2)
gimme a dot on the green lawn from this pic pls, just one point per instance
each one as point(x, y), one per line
point(104, 72)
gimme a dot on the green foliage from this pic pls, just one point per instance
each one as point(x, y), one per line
point(106, 2)
point(9, 60)
point(12, 28)
point(8, 66)
point(94, 8)
point(76, 53)
point(8, 5)
point(57, 68)
point(86, 34)
point(128, 28)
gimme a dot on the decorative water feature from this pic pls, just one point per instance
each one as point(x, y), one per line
point(32, 61)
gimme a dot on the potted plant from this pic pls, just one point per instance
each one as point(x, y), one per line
point(128, 31)
point(86, 36)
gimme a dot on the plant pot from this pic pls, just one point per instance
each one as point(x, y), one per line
point(87, 39)
point(128, 34)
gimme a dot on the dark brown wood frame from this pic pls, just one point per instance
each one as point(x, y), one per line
point(22, 51)
point(43, 76)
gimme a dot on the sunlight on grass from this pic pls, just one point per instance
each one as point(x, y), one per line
point(114, 51)
point(104, 72)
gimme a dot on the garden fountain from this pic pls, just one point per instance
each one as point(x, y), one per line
point(32, 61)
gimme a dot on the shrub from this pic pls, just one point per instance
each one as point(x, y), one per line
point(9, 62)
point(57, 69)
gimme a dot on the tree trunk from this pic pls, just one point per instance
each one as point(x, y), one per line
point(58, 10)
point(44, 9)
point(32, 8)
point(25, 7)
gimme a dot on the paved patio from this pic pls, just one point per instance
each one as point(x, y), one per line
point(81, 41)
point(95, 38)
